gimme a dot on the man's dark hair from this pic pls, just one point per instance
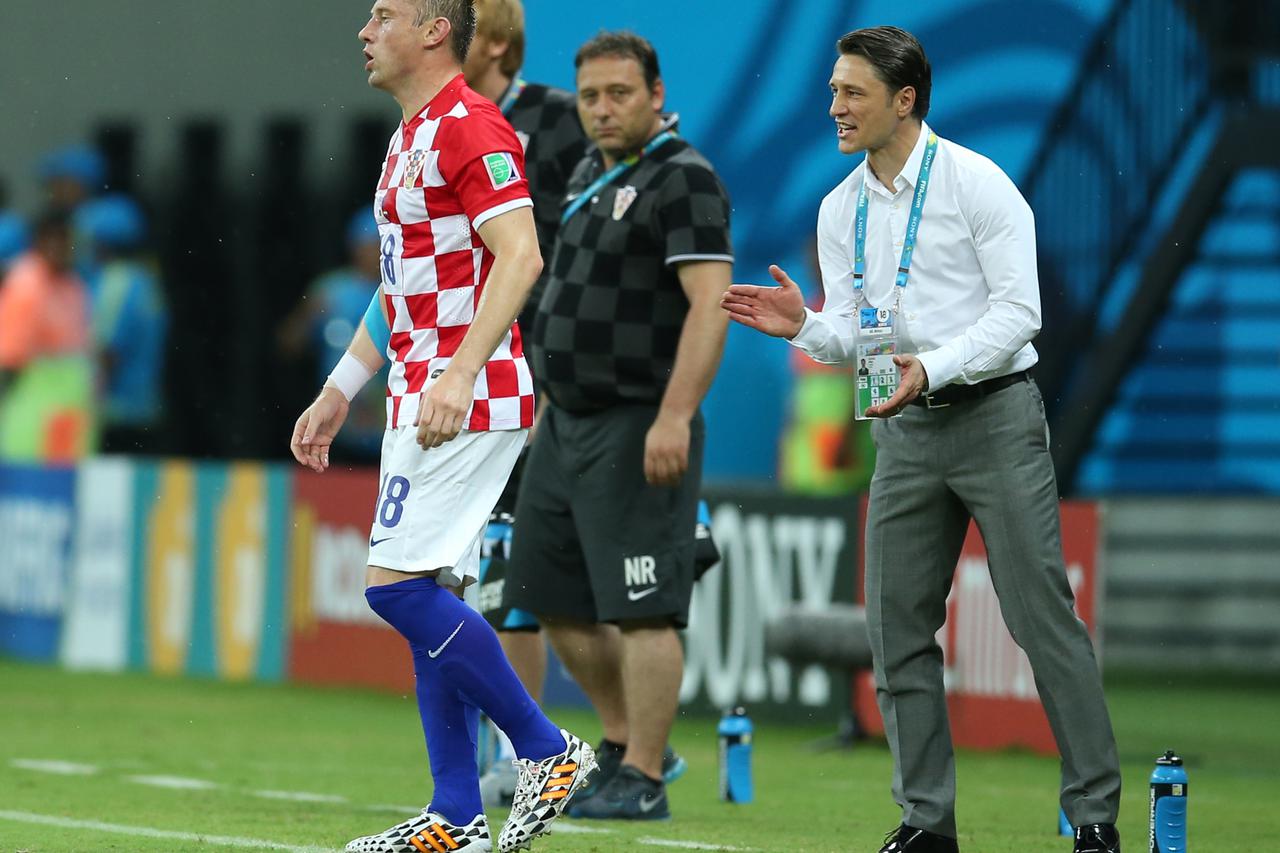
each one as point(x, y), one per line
point(626, 45)
point(898, 59)
point(462, 22)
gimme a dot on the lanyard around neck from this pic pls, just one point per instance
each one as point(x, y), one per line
point(619, 168)
point(913, 223)
point(513, 93)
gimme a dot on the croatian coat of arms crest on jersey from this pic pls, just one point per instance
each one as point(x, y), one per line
point(622, 202)
point(413, 167)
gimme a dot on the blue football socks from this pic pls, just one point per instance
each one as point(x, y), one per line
point(460, 666)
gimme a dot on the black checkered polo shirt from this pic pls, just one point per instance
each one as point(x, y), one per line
point(546, 120)
point(607, 327)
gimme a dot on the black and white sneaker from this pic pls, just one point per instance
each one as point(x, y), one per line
point(543, 789)
point(428, 831)
point(1097, 838)
point(908, 839)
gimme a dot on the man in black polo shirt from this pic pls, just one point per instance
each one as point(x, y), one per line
point(626, 342)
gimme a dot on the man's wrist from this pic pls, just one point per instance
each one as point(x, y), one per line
point(328, 389)
point(465, 369)
point(804, 317)
point(349, 375)
point(674, 414)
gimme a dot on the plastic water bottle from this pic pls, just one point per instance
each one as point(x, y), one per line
point(1168, 828)
point(735, 757)
point(1064, 825)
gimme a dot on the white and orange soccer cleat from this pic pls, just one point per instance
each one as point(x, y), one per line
point(543, 789)
point(428, 833)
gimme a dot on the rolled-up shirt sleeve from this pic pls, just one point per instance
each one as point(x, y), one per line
point(1004, 236)
point(828, 336)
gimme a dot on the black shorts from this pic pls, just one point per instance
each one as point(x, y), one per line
point(593, 541)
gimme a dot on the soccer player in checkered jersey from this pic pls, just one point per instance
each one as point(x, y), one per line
point(459, 255)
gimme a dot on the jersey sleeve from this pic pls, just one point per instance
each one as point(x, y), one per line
point(483, 162)
point(693, 216)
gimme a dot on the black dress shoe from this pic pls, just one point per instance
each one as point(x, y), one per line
point(1097, 838)
point(907, 839)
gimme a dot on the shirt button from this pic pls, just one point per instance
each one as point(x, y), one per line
point(910, 316)
point(897, 205)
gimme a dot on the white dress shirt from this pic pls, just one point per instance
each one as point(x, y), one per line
point(972, 302)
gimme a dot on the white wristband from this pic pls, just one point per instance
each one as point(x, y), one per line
point(349, 375)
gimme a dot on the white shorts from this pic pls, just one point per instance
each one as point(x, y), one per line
point(433, 505)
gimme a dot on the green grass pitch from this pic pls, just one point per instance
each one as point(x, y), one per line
point(155, 764)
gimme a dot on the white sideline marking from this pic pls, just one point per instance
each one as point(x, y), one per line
point(578, 829)
point(178, 783)
point(183, 783)
point(687, 845)
point(62, 768)
point(301, 797)
point(148, 832)
point(408, 811)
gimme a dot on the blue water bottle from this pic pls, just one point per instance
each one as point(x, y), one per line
point(735, 757)
point(1168, 829)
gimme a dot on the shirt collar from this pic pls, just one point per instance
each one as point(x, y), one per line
point(670, 121)
point(910, 169)
point(441, 103)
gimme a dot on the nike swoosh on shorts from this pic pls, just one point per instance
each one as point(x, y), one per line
point(435, 654)
point(636, 596)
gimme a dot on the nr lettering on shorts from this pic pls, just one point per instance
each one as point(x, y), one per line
point(640, 572)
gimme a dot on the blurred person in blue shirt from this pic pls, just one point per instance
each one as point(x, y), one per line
point(129, 323)
point(324, 321)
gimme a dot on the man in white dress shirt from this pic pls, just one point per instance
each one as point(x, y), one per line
point(971, 439)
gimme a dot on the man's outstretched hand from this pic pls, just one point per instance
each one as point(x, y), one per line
point(777, 311)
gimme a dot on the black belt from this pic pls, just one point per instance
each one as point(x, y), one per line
point(950, 395)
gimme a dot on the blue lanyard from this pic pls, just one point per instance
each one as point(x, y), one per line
point(913, 224)
point(514, 91)
point(619, 168)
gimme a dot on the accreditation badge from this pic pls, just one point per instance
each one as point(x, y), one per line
point(876, 376)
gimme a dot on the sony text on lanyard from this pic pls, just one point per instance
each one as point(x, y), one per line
point(876, 376)
point(619, 168)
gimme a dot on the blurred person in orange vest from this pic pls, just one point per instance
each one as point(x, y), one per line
point(46, 374)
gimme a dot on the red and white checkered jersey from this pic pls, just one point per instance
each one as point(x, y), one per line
point(453, 167)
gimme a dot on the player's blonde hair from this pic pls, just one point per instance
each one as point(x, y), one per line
point(503, 21)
